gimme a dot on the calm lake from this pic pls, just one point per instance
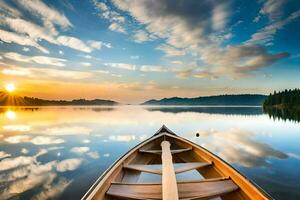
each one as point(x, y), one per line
point(58, 152)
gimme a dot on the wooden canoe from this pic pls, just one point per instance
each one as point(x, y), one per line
point(169, 167)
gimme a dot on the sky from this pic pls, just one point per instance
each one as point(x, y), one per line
point(135, 50)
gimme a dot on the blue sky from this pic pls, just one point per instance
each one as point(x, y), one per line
point(134, 50)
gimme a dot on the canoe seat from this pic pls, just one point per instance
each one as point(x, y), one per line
point(156, 169)
point(186, 190)
point(173, 151)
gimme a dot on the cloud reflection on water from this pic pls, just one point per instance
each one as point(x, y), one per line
point(38, 140)
point(238, 146)
point(110, 133)
point(24, 173)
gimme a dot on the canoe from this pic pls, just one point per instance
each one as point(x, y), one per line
point(170, 167)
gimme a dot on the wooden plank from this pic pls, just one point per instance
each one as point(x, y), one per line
point(170, 191)
point(178, 182)
point(200, 190)
point(183, 167)
point(190, 166)
point(205, 189)
point(173, 151)
point(144, 168)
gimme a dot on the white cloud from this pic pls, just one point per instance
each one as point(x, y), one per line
point(122, 138)
point(86, 141)
point(38, 140)
point(102, 71)
point(52, 191)
point(98, 44)
point(121, 66)
point(10, 37)
point(271, 8)
point(117, 21)
point(47, 73)
point(26, 49)
point(177, 62)
point(93, 154)
point(31, 181)
point(153, 68)
point(17, 128)
point(74, 43)
point(116, 27)
point(68, 130)
point(34, 31)
point(171, 51)
point(63, 74)
point(266, 34)
point(48, 14)
point(181, 24)
point(11, 163)
point(16, 71)
point(8, 10)
point(198, 29)
point(106, 155)
point(141, 36)
point(42, 140)
point(4, 155)
point(233, 61)
point(24, 151)
point(88, 56)
point(44, 60)
point(17, 139)
point(101, 6)
point(68, 165)
point(86, 64)
point(219, 16)
point(80, 150)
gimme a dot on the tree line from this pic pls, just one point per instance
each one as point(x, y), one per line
point(287, 98)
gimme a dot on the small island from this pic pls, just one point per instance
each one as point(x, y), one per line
point(7, 99)
point(283, 105)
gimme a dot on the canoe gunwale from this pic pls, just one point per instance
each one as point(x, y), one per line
point(166, 132)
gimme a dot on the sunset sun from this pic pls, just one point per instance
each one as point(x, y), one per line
point(10, 87)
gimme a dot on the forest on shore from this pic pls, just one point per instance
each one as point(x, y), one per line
point(283, 105)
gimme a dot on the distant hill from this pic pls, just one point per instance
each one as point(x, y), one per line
point(13, 100)
point(233, 100)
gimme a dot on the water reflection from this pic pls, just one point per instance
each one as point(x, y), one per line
point(285, 114)
point(210, 110)
point(24, 173)
point(58, 152)
point(10, 115)
point(238, 146)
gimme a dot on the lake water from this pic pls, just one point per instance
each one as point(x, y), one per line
point(58, 152)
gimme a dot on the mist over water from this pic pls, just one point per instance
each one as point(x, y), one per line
point(58, 152)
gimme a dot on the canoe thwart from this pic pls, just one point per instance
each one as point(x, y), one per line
point(173, 151)
point(155, 169)
point(198, 190)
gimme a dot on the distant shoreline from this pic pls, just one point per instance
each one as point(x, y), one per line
point(228, 100)
point(219, 100)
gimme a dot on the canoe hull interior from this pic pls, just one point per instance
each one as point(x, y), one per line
point(199, 173)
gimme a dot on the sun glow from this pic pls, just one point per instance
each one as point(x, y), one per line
point(11, 115)
point(10, 87)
